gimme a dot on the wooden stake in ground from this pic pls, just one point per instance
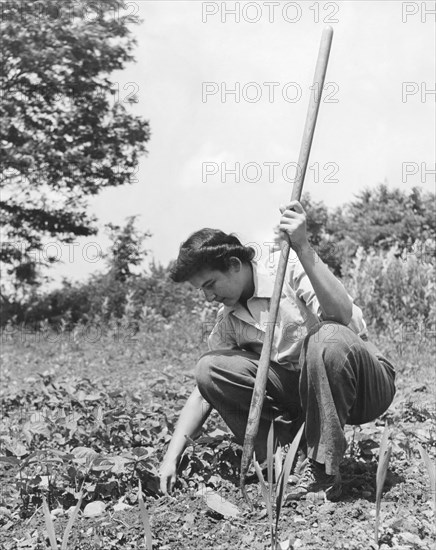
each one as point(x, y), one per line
point(262, 371)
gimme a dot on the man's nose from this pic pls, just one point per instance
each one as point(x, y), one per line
point(210, 296)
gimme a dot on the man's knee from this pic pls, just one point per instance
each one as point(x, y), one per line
point(331, 341)
point(203, 371)
point(226, 365)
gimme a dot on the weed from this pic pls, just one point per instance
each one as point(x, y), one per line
point(278, 489)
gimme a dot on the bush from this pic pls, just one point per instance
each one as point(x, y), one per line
point(120, 292)
point(105, 297)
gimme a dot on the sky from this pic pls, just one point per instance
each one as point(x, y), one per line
point(223, 159)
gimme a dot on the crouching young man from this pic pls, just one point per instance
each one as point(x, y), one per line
point(323, 370)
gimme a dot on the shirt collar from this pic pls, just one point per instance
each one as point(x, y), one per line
point(263, 285)
point(264, 282)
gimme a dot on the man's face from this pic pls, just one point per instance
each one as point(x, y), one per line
point(224, 287)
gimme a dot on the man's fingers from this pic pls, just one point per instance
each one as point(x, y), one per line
point(296, 206)
point(167, 484)
point(163, 485)
point(293, 206)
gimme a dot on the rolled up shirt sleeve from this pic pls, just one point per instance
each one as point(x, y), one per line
point(303, 288)
point(357, 323)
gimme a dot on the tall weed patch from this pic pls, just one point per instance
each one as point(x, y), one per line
point(395, 288)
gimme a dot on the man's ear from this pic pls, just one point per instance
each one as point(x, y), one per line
point(235, 264)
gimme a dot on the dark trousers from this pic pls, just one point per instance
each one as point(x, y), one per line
point(341, 380)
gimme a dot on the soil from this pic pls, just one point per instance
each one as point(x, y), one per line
point(152, 378)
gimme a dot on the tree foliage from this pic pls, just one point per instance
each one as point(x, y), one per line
point(126, 250)
point(64, 135)
point(125, 289)
point(382, 217)
point(377, 219)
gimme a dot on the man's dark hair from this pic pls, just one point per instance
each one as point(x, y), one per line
point(208, 249)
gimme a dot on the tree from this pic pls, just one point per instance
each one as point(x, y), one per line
point(377, 219)
point(126, 251)
point(64, 135)
point(380, 218)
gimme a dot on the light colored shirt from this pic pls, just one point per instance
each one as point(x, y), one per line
point(299, 310)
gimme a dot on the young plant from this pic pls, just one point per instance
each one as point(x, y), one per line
point(431, 469)
point(71, 522)
point(283, 479)
point(282, 475)
point(382, 468)
point(50, 526)
point(145, 518)
point(90, 457)
point(268, 502)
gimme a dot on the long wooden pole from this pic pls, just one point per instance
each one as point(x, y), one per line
point(262, 371)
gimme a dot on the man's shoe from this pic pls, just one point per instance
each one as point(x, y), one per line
point(298, 469)
point(315, 482)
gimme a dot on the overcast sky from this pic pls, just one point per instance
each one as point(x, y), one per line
point(376, 123)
